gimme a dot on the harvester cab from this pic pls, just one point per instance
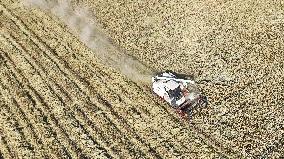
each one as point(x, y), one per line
point(181, 94)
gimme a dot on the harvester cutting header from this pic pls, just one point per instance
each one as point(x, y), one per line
point(181, 94)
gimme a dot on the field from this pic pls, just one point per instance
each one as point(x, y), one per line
point(59, 100)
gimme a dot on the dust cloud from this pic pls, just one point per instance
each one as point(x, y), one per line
point(84, 25)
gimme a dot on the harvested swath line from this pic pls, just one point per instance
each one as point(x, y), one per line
point(69, 113)
point(67, 48)
point(31, 64)
point(18, 113)
point(104, 151)
point(15, 136)
point(66, 93)
point(31, 146)
point(139, 88)
point(97, 77)
point(40, 100)
point(129, 128)
point(119, 117)
point(77, 75)
point(127, 93)
point(86, 106)
point(66, 97)
point(93, 128)
point(4, 147)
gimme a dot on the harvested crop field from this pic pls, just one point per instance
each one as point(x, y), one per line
point(60, 99)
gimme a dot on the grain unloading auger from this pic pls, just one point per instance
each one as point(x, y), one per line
point(181, 94)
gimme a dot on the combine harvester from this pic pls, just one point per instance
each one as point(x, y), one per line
point(181, 94)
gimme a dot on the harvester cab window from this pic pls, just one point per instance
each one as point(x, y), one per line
point(175, 94)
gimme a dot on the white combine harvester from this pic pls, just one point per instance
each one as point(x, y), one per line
point(181, 94)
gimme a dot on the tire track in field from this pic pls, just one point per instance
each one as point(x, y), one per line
point(5, 149)
point(80, 78)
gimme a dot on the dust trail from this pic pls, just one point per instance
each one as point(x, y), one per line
point(82, 23)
